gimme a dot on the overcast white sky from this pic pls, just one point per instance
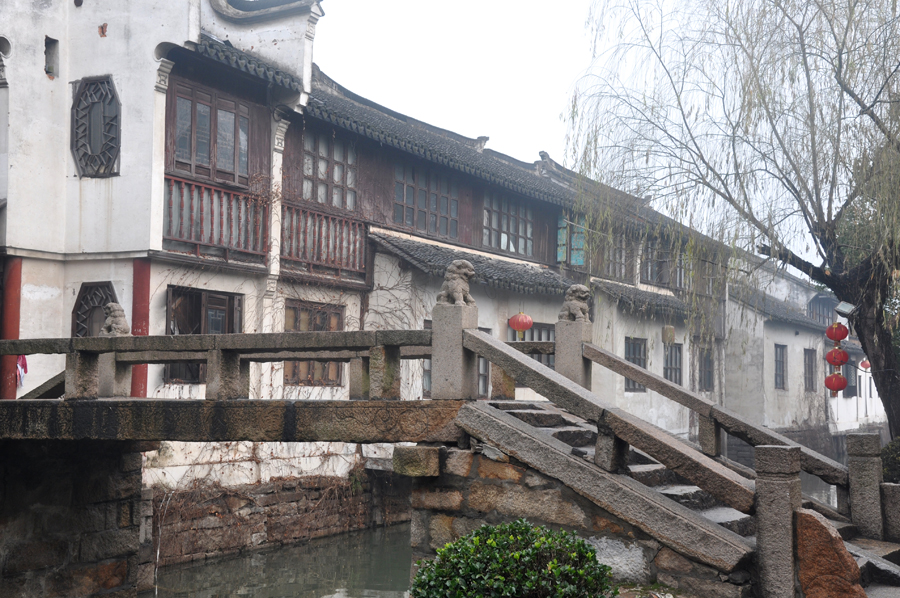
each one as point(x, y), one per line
point(501, 68)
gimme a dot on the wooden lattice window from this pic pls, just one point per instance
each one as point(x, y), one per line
point(87, 315)
point(96, 128)
point(508, 224)
point(313, 317)
point(426, 201)
point(329, 170)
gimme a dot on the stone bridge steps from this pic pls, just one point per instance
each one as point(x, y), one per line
point(879, 561)
point(669, 522)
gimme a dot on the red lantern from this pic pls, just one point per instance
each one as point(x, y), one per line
point(520, 323)
point(837, 332)
point(835, 383)
point(837, 357)
point(864, 364)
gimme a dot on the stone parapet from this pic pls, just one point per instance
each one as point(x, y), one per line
point(865, 471)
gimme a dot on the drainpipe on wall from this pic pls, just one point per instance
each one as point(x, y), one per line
point(140, 319)
point(9, 327)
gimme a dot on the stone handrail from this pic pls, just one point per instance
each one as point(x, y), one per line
point(812, 462)
point(723, 483)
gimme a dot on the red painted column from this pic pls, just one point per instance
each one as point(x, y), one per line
point(9, 327)
point(140, 319)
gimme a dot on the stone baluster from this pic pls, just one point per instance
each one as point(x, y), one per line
point(82, 375)
point(227, 376)
point(864, 464)
point(570, 361)
point(454, 372)
point(710, 436)
point(384, 372)
point(778, 497)
point(358, 375)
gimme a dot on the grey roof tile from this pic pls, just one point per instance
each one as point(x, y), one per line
point(637, 300)
point(497, 273)
point(228, 55)
point(775, 309)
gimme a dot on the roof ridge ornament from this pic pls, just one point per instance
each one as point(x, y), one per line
point(244, 10)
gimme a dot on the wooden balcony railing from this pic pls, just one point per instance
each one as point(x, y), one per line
point(208, 216)
point(324, 240)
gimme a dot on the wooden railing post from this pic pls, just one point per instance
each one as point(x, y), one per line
point(866, 475)
point(453, 368)
point(225, 376)
point(778, 497)
point(384, 372)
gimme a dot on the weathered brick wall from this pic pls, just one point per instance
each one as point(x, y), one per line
point(473, 490)
point(210, 520)
point(69, 518)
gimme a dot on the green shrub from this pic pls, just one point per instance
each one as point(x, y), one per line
point(890, 461)
point(514, 559)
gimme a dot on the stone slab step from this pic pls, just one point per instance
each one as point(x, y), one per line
point(848, 531)
point(574, 435)
point(690, 496)
point(886, 550)
point(873, 568)
point(653, 474)
point(540, 418)
point(881, 591)
point(740, 523)
point(513, 405)
point(662, 519)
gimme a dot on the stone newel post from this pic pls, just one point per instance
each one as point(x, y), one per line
point(864, 463)
point(572, 330)
point(454, 371)
point(778, 497)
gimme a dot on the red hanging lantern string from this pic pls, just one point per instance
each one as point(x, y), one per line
point(837, 357)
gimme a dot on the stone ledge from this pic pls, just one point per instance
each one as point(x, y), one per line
point(203, 421)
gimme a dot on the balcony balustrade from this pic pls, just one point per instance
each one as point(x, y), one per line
point(311, 239)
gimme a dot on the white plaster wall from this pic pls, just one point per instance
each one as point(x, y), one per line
point(88, 215)
point(793, 407)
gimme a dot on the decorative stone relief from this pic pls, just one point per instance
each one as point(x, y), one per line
point(576, 307)
point(115, 324)
point(455, 290)
point(162, 75)
point(96, 128)
point(281, 128)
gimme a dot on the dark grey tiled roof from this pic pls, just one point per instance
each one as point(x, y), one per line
point(228, 55)
point(637, 300)
point(496, 273)
point(331, 103)
point(774, 308)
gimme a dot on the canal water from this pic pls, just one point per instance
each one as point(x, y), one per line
point(368, 564)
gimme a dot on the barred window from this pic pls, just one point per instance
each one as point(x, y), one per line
point(508, 224)
point(313, 317)
point(672, 365)
point(636, 353)
point(426, 201)
point(852, 382)
point(781, 367)
point(706, 370)
point(329, 170)
point(809, 369)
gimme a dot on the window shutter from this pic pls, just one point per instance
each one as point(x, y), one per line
point(562, 239)
point(238, 314)
point(169, 303)
point(577, 253)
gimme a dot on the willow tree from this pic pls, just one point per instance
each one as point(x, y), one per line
point(773, 125)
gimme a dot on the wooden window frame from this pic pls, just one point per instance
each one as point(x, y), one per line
point(334, 371)
point(636, 353)
point(187, 373)
point(849, 371)
point(780, 367)
point(672, 362)
point(425, 201)
point(821, 309)
point(329, 170)
point(706, 370)
point(215, 100)
point(654, 263)
point(500, 210)
point(618, 261)
point(810, 358)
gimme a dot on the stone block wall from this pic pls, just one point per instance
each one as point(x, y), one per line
point(211, 520)
point(70, 518)
point(473, 490)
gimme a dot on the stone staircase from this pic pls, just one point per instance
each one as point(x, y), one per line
point(879, 561)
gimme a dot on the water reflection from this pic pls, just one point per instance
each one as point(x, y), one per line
point(814, 487)
point(368, 564)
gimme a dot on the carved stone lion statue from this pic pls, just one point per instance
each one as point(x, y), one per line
point(575, 308)
point(115, 324)
point(455, 290)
